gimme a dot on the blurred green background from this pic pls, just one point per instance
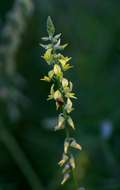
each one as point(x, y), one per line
point(29, 148)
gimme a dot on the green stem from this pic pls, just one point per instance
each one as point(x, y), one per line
point(74, 179)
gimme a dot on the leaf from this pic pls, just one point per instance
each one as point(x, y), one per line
point(50, 27)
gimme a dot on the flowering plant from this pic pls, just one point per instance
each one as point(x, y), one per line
point(61, 92)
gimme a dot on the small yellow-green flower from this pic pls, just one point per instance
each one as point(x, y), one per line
point(68, 106)
point(64, 62)
point(51, 74)
point(57, 70)
point(46, 78)
point(48, 56)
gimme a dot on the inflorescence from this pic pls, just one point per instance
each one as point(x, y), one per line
point(61, 92)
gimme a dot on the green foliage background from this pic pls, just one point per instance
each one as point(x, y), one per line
point(29, 149)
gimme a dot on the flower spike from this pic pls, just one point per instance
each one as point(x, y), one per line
point(61, 92)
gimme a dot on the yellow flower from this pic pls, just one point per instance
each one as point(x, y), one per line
point(67, 86)
point(68, 106)
point(48, 55)
point(64, 82)
point(57, 95)
point(59, 99)
point(46, 78)
point(51, 74)
point(49, 77)
point(57, 70)
point(63, 60)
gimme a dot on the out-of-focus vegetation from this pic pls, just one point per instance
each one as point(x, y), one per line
point(29, 148)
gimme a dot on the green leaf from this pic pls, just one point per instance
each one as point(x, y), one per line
point(50, 27)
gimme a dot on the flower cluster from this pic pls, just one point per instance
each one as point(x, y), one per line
point(61, 92)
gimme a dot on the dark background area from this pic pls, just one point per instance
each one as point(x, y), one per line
point(29, 148)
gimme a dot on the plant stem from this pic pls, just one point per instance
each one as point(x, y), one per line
point(74, 179)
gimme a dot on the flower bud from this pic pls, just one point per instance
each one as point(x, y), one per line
point(66, 145)
point(70, 122)
point(73, 144)
point(64, 82)
point(46, 78)
point(66, 177)
point(68, 106)
point(64, 159)
point(61, 121)
point(57, 95)
point(48, 56)
point(57, 70)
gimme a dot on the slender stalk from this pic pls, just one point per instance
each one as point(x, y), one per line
point(74, 179)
